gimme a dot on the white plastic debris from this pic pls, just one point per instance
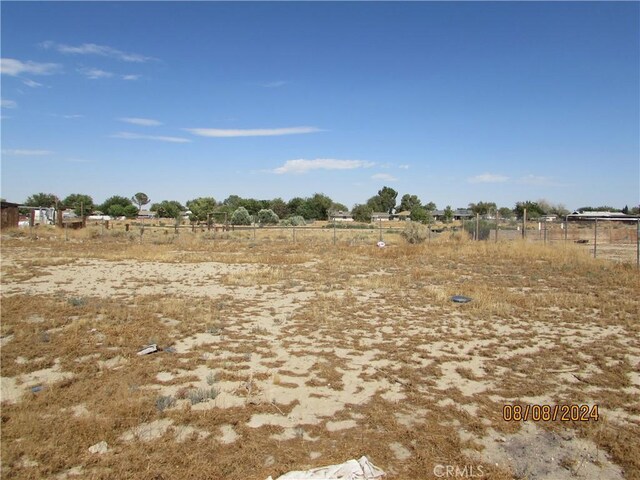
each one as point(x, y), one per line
point(361, 469)
point(99, 448)
point(381, 244)
point(148, 349)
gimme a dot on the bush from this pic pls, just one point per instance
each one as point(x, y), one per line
point(295, 221)
point(241, 217)
point(415, 233)
point(266, 216)
point(484, 229)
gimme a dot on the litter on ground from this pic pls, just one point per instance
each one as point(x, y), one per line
point(361, 469)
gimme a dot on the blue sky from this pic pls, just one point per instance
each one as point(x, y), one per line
point(453, 102)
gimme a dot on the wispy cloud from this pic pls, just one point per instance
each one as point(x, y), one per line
point(26, 152)
point(384, 176)
point(303, 166)
point(403, 167)
point(93, 49)
point(5, 103)
point(260, 132)
point(145, 122)
point(131, 77)
point(488, 178)
point(13, 67)
point(31, 83)
point(159, 138)
point(95, 73)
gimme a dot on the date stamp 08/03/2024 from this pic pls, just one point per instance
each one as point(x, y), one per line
point(550, 413)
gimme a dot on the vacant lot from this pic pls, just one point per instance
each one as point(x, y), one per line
point(277, 356)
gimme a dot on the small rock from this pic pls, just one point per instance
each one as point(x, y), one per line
point(99, 448)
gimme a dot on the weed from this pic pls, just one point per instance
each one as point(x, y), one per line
point(165, 401)
point(199, 395)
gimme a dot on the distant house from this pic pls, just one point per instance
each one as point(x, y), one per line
point(458, 214)
point(10, 215)
point(380, 217)
point(401, 216)
point(610, 216)
point(146, 214)
point(548, 218)
point(340, 216)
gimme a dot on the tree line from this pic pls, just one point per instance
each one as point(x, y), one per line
point(240, 211)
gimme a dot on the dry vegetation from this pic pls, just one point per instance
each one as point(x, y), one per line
point(278, 356)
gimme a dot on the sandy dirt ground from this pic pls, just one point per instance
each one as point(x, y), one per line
point(297, 359)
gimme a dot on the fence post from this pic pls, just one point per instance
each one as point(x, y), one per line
point(595, 239)
point(334, 231)
point(380, 224)
point(66, 231)
point(477, 226)
point(566, 227)
point(524, 224)
point(102, 229)
point(294, 233)
point(497, 226)
point(638, 245)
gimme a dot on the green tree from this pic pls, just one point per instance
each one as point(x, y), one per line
point(131, 211)
point(483, 208)
point(294, 204)
point(420, 214)
point(168, 209)
point(362, 213)
point(279, 207)
point(267, 216)
point(316, 207)
point(338, 207)
point(408, 203)
point(448, 214)
point(201, 207)
point(430, 207)
point(375, 204)
point(108, 205)
point(533, 210)
point(505, 212)
point(233, 201)
point(241, 217)
point(82, 204)
point(45, 200)
point(140, 199)
point(388, 199)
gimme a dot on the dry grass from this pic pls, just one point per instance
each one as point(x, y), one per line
point(316, 353)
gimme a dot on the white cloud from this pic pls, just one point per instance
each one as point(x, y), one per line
point(303, 166)
point(384, 176)
point(145, 122)
point(26, 153)
point(95, 73)
point(488, 178)
point(93, 49)
point(13, 67)
point(261, 132)
point(8, 103)
point(404, 167)
point(131, 77)
point(159, 138)
point(31, 83)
